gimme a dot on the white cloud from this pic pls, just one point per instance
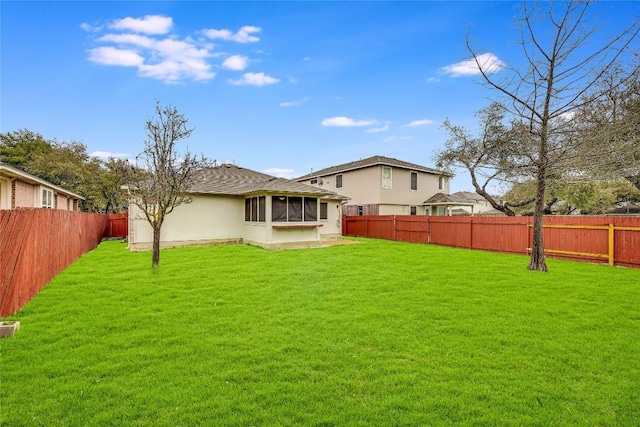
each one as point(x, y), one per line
point(422, 122)
point(244, 34)
point(254, 79)
point(132, 39)
point(397, 138)
point(347, 122)
point(280, 172)
point(106, 155)
point(168, 59)
point(294, 103)
point(90, 28)
point(489, 62)
point(150, 24)
point(431, 80)
point(107, 55)
point(236, 62)
point(380, 129)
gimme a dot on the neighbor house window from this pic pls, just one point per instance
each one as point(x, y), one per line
point(442, 210)
point(294, 209)
point(414, 180)
point(47, 198)
point(413, 210)
point(440, 182)
point(360, 211)
point(324, 210)
point(339, 181)
point(386, 177)
point(313, 181)
point(255, 209)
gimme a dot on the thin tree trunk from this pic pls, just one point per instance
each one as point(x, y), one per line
point(155, 260)
point(538, 262)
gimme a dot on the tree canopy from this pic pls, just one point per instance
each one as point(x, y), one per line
point(68, 165)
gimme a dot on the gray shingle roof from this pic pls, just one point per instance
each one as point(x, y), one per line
point(371, 161)
point(236, 181)
point(448, 198)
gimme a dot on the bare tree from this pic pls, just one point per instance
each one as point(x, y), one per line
point(497, 154)
point(609, 127)
point(558, 68)
point(168, 175)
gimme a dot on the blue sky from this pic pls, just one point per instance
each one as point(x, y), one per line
point(278, 87)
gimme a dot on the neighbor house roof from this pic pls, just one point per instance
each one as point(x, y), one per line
point(237, 181)
point(372, 161)
point(12, 172)
point(448, 199)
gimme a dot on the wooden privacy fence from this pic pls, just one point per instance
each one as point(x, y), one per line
point(117, 225)
point(611, 239)
point(37, 244)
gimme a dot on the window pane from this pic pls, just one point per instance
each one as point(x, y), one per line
point(254, 209)
point(338, 181)
point(386, 177)
point(414, 180)
point(279, 209)
point(262, 208)
point(294, 209)
point(413, 210)
point(310, 209)
point(323, 210)
point(247, 209)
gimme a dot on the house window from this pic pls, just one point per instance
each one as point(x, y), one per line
point(255, 209)
point(47, 198)
point(294, 209)
point(313, 181)
point(414, 181)
point(386, 177)
point(440, 182)
point(442, 210)
point(339, 181)
point(360, 211)
point(324, 210)
point(413, 210)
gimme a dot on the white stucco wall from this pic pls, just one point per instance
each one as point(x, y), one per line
point(206, 219)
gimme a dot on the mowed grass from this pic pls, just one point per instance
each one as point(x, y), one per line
point(373, 334)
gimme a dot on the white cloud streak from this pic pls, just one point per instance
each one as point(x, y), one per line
point(295, 103)
point(243, 35)
point(150, 24)
point(341, 121)
point(489, 62)
point(422, 122)
point(236, 62)
point(254, 79)
point(380, 129)
point(280, 172)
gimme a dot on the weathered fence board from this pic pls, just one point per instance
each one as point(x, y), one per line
point(36, 245)
point(584, 238)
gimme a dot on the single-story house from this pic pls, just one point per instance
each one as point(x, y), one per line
point(231, 204)
point(461, 203)
point(19, 189)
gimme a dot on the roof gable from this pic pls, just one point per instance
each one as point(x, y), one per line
point(369, 162)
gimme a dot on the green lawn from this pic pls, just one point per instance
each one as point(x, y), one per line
point(376, 333)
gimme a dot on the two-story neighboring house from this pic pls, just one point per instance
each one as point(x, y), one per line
point(19, 189)
point(381, 185)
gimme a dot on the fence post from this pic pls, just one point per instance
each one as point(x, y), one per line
point(394, 227)
point(611, 243)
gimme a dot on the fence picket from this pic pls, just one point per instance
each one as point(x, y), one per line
point(581, 238)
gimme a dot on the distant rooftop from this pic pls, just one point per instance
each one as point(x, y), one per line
point(372, 161)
